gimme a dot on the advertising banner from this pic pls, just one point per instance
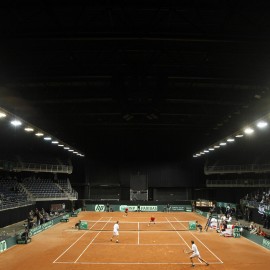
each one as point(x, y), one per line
point(142, 208)
point(3, 246)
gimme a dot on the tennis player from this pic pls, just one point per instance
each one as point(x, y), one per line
point(126, 212)
point(116, 231)
point(152, 220)
point(195, 253)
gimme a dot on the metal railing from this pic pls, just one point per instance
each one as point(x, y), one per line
point(248, 168)
point(34, 167)
point(239, 183)
point(12, 205)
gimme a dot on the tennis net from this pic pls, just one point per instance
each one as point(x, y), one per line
point(142, 226)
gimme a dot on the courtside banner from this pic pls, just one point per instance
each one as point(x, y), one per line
point(3, 246)
point(100, 208)
point(41, 228)
point(266, 243)
point(143, 208)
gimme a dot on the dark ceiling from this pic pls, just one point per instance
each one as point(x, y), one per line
point(174, 75)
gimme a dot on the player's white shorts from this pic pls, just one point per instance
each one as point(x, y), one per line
point(193, 255)
point(116, 233)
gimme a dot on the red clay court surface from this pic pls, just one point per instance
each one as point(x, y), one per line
point(64, 248)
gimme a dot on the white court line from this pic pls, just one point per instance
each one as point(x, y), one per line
point(141, 222)
point(123, 244)
point(71, 245)
point(91, 241)
point(205, 246)
point(181, 236)
point(178, 234)
point(133, 263)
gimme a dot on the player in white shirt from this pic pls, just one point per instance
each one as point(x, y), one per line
point(195, 253)
point(116, 231)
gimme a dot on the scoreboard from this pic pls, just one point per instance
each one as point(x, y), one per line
point(204, 203)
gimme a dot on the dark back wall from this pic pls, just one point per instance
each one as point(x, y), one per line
point(158, 174)
point(163, 172)
point(15, 215)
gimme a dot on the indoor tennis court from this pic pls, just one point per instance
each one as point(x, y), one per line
point(160, 245)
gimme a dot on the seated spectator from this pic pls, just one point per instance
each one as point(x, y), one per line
point(254, 230)
point(251, 226)
point(229, 218)
point(25, 235)
point(77, 225)
point(223, 228)
point(199, 226)
point(223, 218)
point(213, 223)
point(262, 233)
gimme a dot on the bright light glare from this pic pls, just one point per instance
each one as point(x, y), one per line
point(262, 124)
point(249, 130)
point(28, 129)
point(39, 134)
point(230, 140)
point(47, 138)
point(2, 115)
point(16, 123)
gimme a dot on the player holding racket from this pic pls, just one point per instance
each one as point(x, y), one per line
point(195, 253)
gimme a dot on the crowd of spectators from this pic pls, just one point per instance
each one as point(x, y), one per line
point(259, 199)
point(37, 217)
point(260, 196)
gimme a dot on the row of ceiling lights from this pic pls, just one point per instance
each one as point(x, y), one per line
point(261, 124)
point(17, 122)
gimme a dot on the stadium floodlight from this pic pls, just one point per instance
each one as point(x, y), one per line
point(29, 129)
point(262, 124)
point(16, 123)
point(248, 130)
point(39, 134)
point(2, 115)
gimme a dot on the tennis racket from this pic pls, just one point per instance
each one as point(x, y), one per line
point(186, 251)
